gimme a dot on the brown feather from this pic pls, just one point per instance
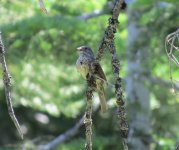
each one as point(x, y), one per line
point(99, 71)
point(102, 98)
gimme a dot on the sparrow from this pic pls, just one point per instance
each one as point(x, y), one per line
point(86, 57)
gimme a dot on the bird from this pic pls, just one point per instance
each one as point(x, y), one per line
point(86, 57)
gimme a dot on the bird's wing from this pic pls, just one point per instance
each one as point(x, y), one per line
point(99, 71)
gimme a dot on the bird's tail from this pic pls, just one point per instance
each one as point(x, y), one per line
point(102, 98)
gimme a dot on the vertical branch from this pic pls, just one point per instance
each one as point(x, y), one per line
point(119, 95)
point(7, 86)
point(108, 41)
point(111, 29)
point(88, 114)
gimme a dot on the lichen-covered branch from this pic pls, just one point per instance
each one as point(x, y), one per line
point(88, 114)
point(111, 29)
point(119, 95)
point(108, 42)
point(7, 86)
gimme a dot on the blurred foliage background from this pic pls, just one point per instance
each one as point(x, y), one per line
point(48, 93)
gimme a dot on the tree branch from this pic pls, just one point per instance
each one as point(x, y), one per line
point(63, 137)
point(66, 135)
point(123, 126)
point(108, 42)
point(93, 14)
point(88, 115)
point(7, 86)
point(159, 81)
point(106, 10)
point(42, 6)
point(111, 29)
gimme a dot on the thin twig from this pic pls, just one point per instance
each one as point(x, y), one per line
point(169, 42)
point(170, 49)
point(7, 86)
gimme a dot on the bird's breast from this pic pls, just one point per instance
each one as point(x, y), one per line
point(82, 67)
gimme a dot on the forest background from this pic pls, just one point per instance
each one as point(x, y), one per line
point(49, 94)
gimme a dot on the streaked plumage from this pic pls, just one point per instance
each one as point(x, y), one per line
point(86, 57)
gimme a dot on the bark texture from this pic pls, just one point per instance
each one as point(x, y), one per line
point(137, 92)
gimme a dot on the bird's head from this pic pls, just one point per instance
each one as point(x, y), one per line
point(84, 49)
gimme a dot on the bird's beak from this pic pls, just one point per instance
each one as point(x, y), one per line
point(79, 48)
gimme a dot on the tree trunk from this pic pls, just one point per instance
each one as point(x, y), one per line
point(137, 92)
